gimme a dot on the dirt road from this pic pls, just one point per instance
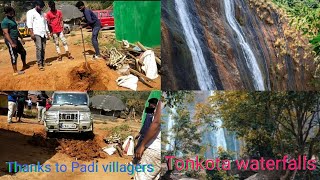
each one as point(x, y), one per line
point(67, 74)
point(20, 142)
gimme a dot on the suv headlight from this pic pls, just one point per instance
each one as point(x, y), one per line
point(86, 116)
point(51, 115)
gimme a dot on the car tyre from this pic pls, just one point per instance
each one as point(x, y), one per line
point(50, 134)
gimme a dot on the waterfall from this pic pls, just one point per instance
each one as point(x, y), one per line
point(246, 49)
point(204, 79)
point(170, 122)
point(220, 136)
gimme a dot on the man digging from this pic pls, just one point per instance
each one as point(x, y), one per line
point(55, 25)
point(92, 21)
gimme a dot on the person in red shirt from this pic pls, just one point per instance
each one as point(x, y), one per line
point(55, 23)
point(48, 104)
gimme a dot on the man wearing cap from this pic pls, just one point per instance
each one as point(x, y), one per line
point(39, 31)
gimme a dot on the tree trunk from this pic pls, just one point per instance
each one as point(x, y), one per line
point(285, 177)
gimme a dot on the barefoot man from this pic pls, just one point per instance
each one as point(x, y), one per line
point(11, 34)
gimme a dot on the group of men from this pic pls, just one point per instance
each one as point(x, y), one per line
point(43, 26)
point(17, 101)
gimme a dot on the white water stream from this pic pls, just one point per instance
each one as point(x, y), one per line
point(204, 79)
point(246, 49)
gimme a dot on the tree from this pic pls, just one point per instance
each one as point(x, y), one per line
point(286, 122)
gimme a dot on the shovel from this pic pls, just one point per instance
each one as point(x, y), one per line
point(84, 48)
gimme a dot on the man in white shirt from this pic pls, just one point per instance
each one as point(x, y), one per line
point(149, 151)
point(39, 31)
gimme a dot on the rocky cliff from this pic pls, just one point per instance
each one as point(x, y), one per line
point(282, 55)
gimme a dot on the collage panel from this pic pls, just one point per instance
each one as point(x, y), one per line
point(80, 45)
point(240, 135)
point(82, 135)
point(253, 45)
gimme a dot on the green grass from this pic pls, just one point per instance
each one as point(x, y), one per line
point(123, 131)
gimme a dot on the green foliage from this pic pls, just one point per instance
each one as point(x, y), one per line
point(316, 44)
point(98, 5)
point(175, 98)
point(182, 129)
point(271, 123)
point(304, 15)
point(221, 175)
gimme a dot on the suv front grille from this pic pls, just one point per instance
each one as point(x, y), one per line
point(68, 117)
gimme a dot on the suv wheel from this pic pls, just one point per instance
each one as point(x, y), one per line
point(50, 134)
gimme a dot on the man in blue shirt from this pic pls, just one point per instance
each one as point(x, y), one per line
point(12, 106)
point(92, 21)
point(148, 120)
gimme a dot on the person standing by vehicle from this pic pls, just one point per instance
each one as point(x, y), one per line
point(21, 101)
point(29, 101)
point(48, 104)
point(11, 34)
point(55, 25)
point(39, 31)
point(92, 21)
point(12, 106)
point(42, 100)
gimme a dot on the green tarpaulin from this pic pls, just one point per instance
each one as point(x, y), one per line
point(138, 21)
point(153, 94)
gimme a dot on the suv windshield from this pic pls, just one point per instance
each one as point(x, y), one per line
point(21, 25)
point(70, 99)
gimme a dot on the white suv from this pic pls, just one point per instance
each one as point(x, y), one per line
point(69, 112)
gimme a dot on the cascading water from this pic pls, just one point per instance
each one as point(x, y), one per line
point(221, 139)
point(247, 51)
point(170, 122)
point(205, 80)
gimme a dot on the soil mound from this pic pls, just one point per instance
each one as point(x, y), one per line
point(82, 77)
point(81, 150)
point(85, 150)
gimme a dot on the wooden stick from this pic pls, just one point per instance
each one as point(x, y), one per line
point(144, 82)
point(133, 57)
point(158, 61)
point(141, 46)
point(145, 49)
point(140, 74)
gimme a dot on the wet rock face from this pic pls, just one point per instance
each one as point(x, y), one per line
point(179, 72)
point(261, 27)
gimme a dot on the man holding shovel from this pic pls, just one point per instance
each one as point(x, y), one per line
point(55, 24)
point(92, 21)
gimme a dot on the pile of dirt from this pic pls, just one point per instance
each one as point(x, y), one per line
point(85, 150)
point(82, 77)
point(82, 150)
point(85, 78)
point(42, 141)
